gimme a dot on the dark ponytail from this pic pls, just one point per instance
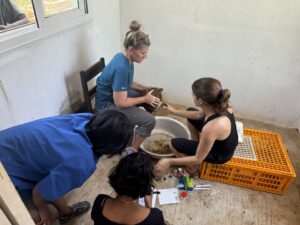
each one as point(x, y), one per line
point(222, 103)
point(210, 91)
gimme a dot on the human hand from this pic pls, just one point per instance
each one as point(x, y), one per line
point(45, 214)
point(3, 27)
point(162, 165)
point(151, 100)
point(169, 108)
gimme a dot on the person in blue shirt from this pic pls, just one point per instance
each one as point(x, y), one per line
point(116, 88)
point(49, 157)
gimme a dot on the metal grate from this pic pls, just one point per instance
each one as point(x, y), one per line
point(245, 149)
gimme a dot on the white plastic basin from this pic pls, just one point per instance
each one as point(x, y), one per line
point(170, 127)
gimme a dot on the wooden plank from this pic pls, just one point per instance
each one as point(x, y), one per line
point(3, 219)
point(11, 203)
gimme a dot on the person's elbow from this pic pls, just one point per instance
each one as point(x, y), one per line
point(120, 103)
point(198, 159)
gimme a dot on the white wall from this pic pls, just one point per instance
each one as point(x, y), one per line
point(43, 79)
point(252, 46)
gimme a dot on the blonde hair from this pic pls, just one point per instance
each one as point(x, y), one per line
point(136, 38)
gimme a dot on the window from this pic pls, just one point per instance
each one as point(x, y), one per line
point(23, 21)
point(58, 6)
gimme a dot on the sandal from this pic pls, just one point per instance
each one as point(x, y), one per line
point(193, 174)
point(178, 172)
point(76, 210)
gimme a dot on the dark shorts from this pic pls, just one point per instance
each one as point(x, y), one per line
point(189, 147)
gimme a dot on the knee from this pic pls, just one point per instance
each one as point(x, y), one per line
point(151, 122)
point(171, 145)
point(146, 125)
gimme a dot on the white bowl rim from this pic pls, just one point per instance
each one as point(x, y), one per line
point(176, 121)
point(159, 156)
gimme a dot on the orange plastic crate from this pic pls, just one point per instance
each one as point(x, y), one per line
point(272, 171)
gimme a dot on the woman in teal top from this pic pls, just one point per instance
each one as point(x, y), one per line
point(117, 90)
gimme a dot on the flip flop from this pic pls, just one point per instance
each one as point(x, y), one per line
point(178, 172)
point(76, 210)
point(193, 174)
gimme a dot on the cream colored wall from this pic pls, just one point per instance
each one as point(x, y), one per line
point(42, 79)
point(251, 46)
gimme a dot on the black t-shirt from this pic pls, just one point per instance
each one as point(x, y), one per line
point(155, 216)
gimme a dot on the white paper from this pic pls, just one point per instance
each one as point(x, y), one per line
point(142, 201)
point(168, 196)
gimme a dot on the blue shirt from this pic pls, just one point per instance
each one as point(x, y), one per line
point(54, 154)
point(116, 76)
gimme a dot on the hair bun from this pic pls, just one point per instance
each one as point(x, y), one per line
point(135, 25)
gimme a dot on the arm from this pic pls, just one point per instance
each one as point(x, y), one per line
point(15, 24)
point(122, 101)
point(16, 18)
point(42, 207)
point(196, 115)
point(65, 177)
point(120, 87)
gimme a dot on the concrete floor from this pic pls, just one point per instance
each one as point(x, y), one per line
point(222, 204)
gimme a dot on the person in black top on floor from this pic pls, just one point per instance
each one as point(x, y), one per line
point(131, 179)
point(213, 129)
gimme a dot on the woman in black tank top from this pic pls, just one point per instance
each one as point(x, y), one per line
point(213, 129)
point(131, 179)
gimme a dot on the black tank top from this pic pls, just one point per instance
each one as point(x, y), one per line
point(155, 216)
point(222, 151)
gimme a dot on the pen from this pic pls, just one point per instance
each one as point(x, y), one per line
point(156, 192)
point(202, 186)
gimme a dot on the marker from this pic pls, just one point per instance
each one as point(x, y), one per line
point(156, 192)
